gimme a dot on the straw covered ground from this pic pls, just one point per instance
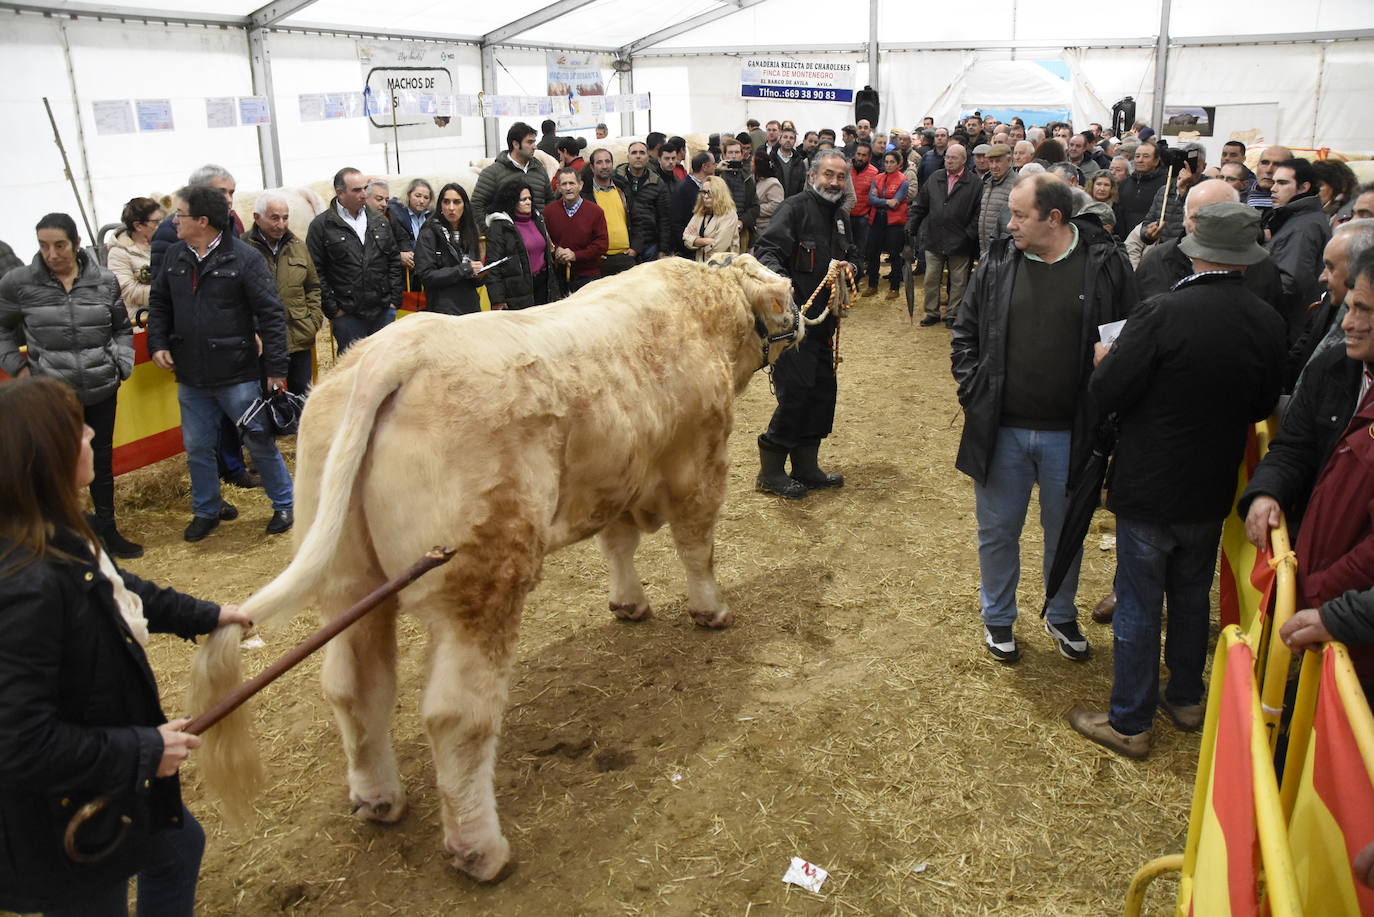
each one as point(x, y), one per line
point(850, 717)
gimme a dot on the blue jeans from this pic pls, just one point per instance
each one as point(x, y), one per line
point(201, 410)
point(166, 884)
point(1154, 562)
point(351, 328)
point(1020, 459)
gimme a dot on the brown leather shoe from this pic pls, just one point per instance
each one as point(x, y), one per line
point(1095, 725)
point(1103, 611)
point(1187, 719)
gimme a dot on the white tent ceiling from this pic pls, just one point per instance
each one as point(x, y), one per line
point(1312, 61)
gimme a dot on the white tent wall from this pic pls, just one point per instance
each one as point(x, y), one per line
point(115, 61)
point(1347, 85)
point(314, 150)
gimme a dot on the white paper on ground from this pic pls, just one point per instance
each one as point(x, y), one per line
point(808, 875)
point(1110, 331)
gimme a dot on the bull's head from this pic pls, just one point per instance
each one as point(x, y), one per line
point(777, 320)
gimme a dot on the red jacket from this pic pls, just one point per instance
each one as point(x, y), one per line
point(887, 185)
point(579, 164)
point(1336, 540)
point(584, 232)
point(862, 179)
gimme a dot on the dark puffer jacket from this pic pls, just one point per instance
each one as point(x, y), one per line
point(511, 282)
point(1134, 198)
point(82, 337)
point(650, 195)
point(79, 713)
point(206, 313)
point(362, 279)
point(490, 178)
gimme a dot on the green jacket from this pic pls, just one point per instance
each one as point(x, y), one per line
point(297, 285)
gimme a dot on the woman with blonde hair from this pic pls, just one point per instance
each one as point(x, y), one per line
point(714, 227)
point(1103, 188)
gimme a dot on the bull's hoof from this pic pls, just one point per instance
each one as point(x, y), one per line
point(485, 866)
point(631, 611)
point(384, 811)
point(713, 619)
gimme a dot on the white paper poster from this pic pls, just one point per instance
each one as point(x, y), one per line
point(113, 117)
point(220, 112)
point(154, 114)
point(399, 73)
point(254, 110)
point(311, 106)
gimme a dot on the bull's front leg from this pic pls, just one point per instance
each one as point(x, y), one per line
point(618, 542)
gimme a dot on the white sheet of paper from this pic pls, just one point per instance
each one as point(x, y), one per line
point(311, 106)
point(254, 110)
point(154, 115)
point(113, 117)
point(491, 264)
point(220, 112)
point(1110, 331)
point(808, 875)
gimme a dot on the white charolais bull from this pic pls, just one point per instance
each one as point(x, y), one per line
point(506, 435)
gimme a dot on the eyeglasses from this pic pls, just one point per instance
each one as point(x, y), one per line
point(181, 215)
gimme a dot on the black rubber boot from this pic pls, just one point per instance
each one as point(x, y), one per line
point(807, 471)
point(116, 545)
point(773, 477)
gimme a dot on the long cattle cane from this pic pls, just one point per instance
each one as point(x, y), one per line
point(436, 557)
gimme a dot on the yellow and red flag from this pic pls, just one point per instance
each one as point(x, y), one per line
point(1333, 811)
point(1247, 579)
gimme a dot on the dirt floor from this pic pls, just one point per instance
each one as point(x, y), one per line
point(851, 716)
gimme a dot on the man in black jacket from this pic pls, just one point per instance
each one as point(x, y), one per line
point(1137, 192)
point(213, 294)
point(1191, 371)
point(808, 231)
point(789, 164)
point(1021, 354)
point(1298, 230)
point(358, 262)
point(647, 194)
point(944, 223)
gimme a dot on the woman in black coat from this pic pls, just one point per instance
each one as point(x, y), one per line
point(516, 232)
point(448, 255)
point(79, 712)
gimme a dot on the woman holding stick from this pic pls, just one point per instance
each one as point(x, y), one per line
point(79, 711)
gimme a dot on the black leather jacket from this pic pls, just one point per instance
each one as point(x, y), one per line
point(362, 279)
point(978, 352)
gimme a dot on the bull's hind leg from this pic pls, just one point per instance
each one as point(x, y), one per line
point(618, 542)
point(693, 521)
point(463, 705)
point(359, 677)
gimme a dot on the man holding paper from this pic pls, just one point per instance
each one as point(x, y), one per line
point(1022, 355)
point(1192, 369)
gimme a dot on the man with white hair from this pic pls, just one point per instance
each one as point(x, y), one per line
point(1022, 153)
point(297, 284)
point(945, 223)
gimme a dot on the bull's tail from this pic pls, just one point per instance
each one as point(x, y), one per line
point(228, 757)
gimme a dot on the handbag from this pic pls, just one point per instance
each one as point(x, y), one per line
point(273, 414)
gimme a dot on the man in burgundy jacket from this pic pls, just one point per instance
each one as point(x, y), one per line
point(577, 228)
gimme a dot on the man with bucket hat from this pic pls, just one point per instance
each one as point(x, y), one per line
point(1190, 371)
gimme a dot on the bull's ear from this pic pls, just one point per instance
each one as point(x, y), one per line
point(778, 307)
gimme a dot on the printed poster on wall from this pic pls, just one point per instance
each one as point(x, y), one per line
point(577, 77)
point(397, 71)
point(154, 114)
point(114, 116)
point(796, 80)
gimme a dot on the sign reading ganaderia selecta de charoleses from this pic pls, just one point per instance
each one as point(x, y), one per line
point(796, 80)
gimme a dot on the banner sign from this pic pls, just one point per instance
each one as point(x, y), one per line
point(796, 80)
point(397, 78)
point(578, 78)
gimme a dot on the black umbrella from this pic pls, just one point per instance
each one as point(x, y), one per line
point(908, 277)
point(1084, 499)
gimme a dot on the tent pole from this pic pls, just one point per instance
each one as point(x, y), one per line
point(873, 47)
point(627, 85)
point(489, 125)
point(1161, 67)
point(269, 148)
point(80, 133)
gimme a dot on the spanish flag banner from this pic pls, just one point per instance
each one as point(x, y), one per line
point(1333, 808)
point(1237, 843)
point(1247, 579)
